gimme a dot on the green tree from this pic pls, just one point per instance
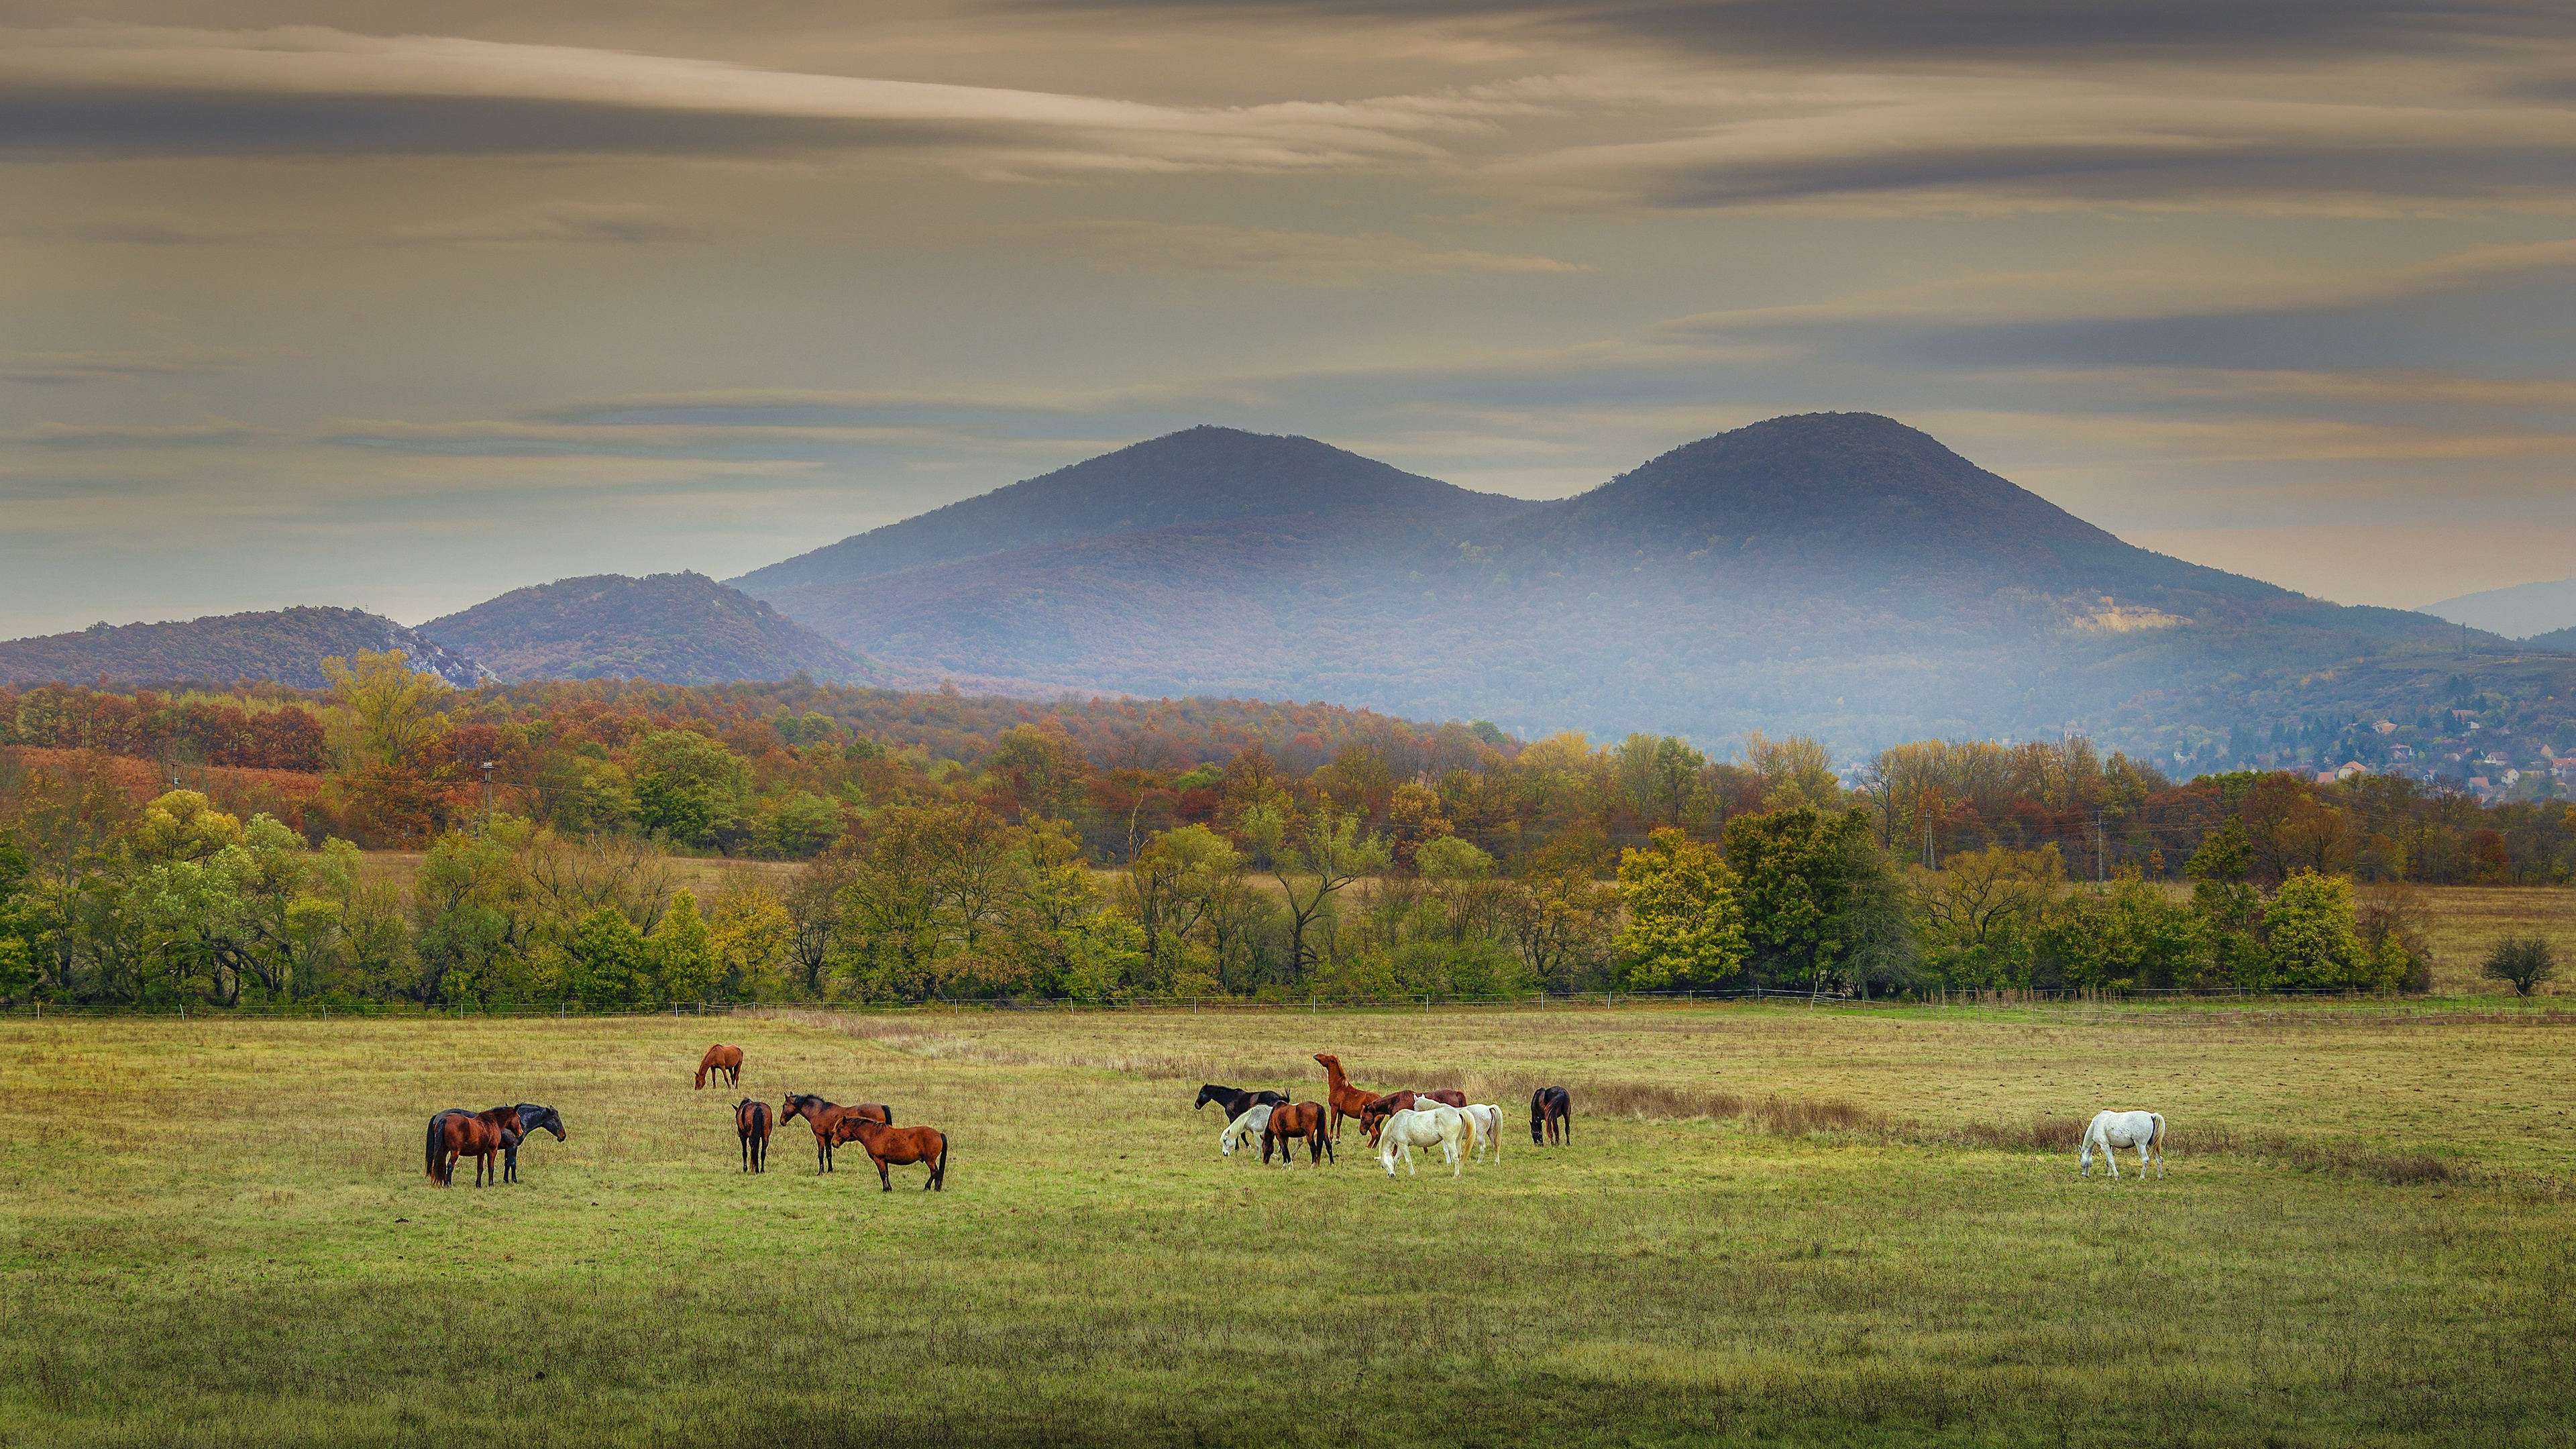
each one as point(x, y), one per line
point(1979, 915)
point(604, 963)
point(1796, 884)
point(681, 952)
point(690, 788)
point(1333, 852)
point(2309, 933)
point(1683, 928)
point(2521, 962)
point(2127, 936)
point(2229, 910)
point(395, 706)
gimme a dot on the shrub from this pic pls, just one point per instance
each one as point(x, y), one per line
point(2522, 962)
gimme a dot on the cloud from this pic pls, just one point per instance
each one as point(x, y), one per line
point(2319, 145)
point(567, 222)
point(1295, 258)
point(2117, 32)
point(307, 90)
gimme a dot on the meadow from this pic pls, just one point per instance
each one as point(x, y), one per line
point(1776, 1224)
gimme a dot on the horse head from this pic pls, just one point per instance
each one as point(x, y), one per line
point(533, 1119)
point(796, 1105)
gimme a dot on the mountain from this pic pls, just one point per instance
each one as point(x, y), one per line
point(1839, 573)
point(680, 628)
point(2522, 611)
point(2556, 641)
point(287, 645)
point(1201, 480)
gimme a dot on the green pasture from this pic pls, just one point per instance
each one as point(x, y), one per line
point(1777, 1225)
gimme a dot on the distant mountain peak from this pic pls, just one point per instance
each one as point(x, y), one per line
point(285, 645)
point(682, 628)
point(1200, 475)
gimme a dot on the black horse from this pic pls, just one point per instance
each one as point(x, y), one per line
point(1551, 1117)
point(527, 1119)
point(1236, 1100)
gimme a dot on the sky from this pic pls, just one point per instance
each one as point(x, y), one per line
point(398, 306)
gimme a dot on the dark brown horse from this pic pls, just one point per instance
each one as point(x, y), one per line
point(901, 1146)
point(457, 1133)
point(724, 1061)
point(1374, 1115)
point(1235, 1100)
point(1347, 1100)
point(1551, 1117)
point(1289, 1124)
point(824, 1116)
point(751, 1122)
point(527, 1119)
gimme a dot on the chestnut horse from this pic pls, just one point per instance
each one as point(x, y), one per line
point(901, 1146)
point(1347, 1100)
point(527, 1119)
point(457, 1133)
point(751, 1123)
point(1374, 1115)
point(823, 1116)
point(1551, 1117)
point(724, 1061)
point(1290, 1123)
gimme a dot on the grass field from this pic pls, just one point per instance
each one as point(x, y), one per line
point(1776, 1225)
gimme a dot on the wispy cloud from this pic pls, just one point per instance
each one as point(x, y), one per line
point(557, 223)
point(311, 90)
point(1294, 258)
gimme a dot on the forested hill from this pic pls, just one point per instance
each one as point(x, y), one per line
point(682, 628)
point(287, 645)
point(1836, 573)
point(1205, 475)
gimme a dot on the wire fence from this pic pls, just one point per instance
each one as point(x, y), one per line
point(1313, 1002)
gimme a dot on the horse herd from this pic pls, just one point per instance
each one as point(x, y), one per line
point(1394, 1122)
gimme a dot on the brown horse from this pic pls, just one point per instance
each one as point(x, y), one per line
point(457, 1133)
point(1374, 1115)
point(1290, 1123)
point(823, 1116)
point(1551, 1114)
point(1347, 1100)
point(751, 1123)
point(901, 1146)
point(724, 1061)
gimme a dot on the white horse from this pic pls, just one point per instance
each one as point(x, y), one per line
point(2144, 1131)
point(1243, 1131)
point(1487, 1119)
point(1443, 1127)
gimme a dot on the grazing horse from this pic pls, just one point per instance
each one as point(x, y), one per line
point(751, 1124)
point(901, 1146)
point(1243, 1131)
point(1376, 1113)
point(1287, 1125)
point(724, 1061)
point(1444, 1127)
point(1236, 1100)
point(1347, 1100)
point(823, 1116)
point(457, 1133)
point(1551, 1109)
point(527, 1119)
point(2144, 1131)
point(1487, 1119)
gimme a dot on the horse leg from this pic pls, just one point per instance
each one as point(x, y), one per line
point(885, 1180)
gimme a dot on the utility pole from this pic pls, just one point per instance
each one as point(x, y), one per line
point(487, 792)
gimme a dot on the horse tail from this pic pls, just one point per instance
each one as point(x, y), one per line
point(432, 1162)
point(941, 1176)
point(2156, 1139)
